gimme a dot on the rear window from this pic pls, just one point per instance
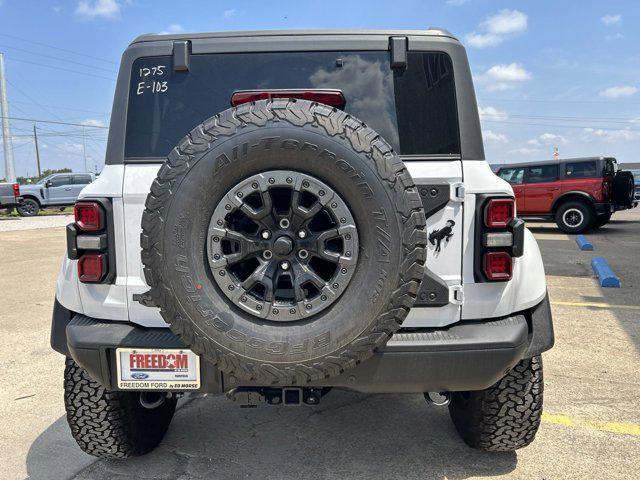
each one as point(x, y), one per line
point(542, 173)
point(60, 180)
point(414, 109)
point(581, 170)
point(512, 175)
point(82, 179)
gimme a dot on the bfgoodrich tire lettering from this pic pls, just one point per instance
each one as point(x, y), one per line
point(315, 140)
point(111, 424)
point(505, 416)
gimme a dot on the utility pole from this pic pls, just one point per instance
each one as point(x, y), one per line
point(35, 140)
point(9, 169)
point(84, 150)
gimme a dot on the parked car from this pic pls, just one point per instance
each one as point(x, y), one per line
point(578, 193)
point(55, 190)
point(282, 248)
point(636, 178)
point(9, 196)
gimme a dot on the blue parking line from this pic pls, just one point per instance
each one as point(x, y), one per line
point(583, 243)
point(605, 275)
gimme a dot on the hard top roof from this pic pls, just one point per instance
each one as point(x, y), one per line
point(548, 162)
point(154, 37)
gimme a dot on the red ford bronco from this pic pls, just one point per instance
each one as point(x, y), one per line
point(578, 193)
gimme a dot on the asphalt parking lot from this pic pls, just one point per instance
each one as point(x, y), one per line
point(591, 424)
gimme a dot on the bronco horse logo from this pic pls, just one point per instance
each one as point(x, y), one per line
point(446, 232)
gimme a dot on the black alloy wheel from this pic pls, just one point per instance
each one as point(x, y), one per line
point(282, 245)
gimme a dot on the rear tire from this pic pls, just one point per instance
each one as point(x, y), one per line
point(28, 208)
point(574, 217)
point(601, 220)
point(111, 424)
point(505, 416)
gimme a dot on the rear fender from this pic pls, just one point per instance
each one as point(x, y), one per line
point(572, 195)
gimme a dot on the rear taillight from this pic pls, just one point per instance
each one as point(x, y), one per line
point(499, 238)
point(90, 242)
point(333, 98)
point(92, 267)
point(16, 190)
point(89, 216)
point(497, 266)
point(499, 212)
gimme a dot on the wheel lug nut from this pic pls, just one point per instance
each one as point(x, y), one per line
point(302, 234)
point(284, 265)
point(303, 254)
point(267, 254)
point(266, 234)
point(284, 223)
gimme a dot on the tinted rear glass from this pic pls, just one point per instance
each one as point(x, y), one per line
point(581, 170)
point(414, 109)
point(60, 180)
point(542, 173)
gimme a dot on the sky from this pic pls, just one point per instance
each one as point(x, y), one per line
point(547, 74)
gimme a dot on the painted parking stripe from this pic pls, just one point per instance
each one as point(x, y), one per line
point(583, 243)
point(605, 274)
point(611, 427)
point(597, 305)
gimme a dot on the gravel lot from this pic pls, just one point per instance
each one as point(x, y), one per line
point(12, 224)
point(591, 424)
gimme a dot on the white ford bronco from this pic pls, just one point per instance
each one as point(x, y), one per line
point(285, 212)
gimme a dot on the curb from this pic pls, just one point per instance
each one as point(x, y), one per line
point(583, 243)
point(607, 278)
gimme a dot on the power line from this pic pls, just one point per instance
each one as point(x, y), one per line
point(58, 48)
point(26, 95)
point(60, 59)
point(61, 69)
point(562, 118)
point(63, 108)
point(542, 100)
point(56, 123)
point(562, 126)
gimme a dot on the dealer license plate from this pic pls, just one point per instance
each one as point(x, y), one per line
point(157, 369)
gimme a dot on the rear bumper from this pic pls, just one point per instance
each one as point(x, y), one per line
point(9, 201)
point(470, 355)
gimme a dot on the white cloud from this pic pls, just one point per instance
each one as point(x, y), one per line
point(497, 28)
point(229, 13)
point(611, 19)
point(173, 28)
point(616, 36)
point(524, 151)
point(93, 122)
point(457, 3)
point(492, 113)
point(503, 77)
point(72, 148)
point(512, 72)
point(619, 91)
point(591, 134)
point(547, 139)
point(109, 9)
point(491, 136)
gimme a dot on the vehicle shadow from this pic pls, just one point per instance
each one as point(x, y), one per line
point(348, 435)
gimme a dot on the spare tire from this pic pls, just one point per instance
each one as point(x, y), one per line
point(623, 189)
point(284, 241)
